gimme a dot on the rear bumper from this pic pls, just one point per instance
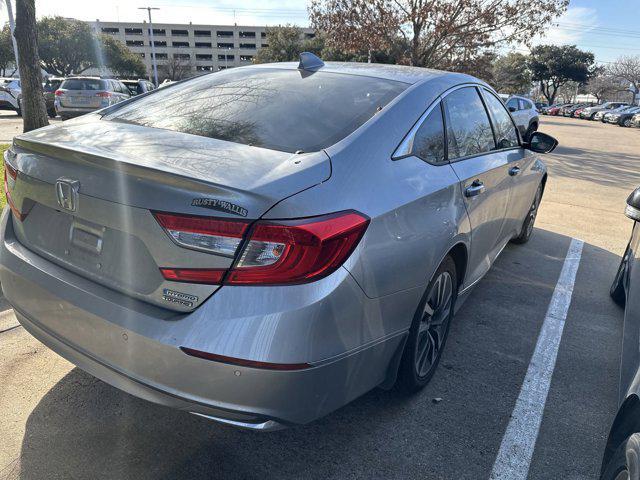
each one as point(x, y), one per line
point(135, 346)
point(74, 111)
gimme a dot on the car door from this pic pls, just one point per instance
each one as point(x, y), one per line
point(523, 174)
point(483, 175)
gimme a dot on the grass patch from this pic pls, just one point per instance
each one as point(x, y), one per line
point(3, 199)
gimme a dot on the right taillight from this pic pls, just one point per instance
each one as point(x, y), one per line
point(275, 253)
point(10, 176)
point(59, 93)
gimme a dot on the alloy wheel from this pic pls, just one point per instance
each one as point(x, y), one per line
point(533, 212)
point(434, 323)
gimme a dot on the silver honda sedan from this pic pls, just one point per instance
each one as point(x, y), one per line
point(262, 245)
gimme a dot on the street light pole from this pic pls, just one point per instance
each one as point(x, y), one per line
point(153, 43)
point(12, 27)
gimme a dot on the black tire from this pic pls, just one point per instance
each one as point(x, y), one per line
point(616, 291)
point(617, 467)
point(626, 123)
point(19, 108)
point(530, 219)
point(429, 329)
point(51, 113)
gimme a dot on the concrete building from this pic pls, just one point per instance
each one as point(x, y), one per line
point(198, 48)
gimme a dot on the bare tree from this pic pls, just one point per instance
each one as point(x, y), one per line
point(605, 86)
point(34, 110)
point(176, 68)
point(436, 33)
point(628, 69)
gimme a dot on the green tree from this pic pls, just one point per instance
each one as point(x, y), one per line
point(511, 74)
point(70, 46)
point(6, 49)
point(66, 46)
point(285, 44)
point(119, 59)
point(554, 66)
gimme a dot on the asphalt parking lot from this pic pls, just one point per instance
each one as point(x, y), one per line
point(11, 124)
point(58, 422)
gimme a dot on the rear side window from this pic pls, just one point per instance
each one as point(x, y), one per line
point(505, 130)
point(428, 141)
point(468, 128)
point(525, 105)
point(285, 110)
point(83, 84)
point(513, 103)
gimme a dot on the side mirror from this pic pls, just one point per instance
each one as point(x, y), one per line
point(632, 209)
point(512, 109)
point(541, 143)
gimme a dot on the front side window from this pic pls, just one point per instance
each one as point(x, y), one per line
point(505, 130)
point(468, 128)
point(428, 141)
point(270, 108)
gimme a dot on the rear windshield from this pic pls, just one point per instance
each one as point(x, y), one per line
point(285, 110)
point(83, 84)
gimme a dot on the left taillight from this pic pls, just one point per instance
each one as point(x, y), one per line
point(10, 176)
point(273, 253)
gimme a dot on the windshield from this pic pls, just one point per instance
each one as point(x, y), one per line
point(272, 108)
point(83, 84)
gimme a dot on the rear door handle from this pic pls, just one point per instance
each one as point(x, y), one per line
point(513, 171)
point(476, 188)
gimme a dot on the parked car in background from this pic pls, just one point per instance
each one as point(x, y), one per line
point(245, 257)
point(608, 116)
point(576, 113)
point(589, 112)
point(635, 120)
point(137, 87)
point(525, 114)
point(601, 114)
point(622, 118)
point(540, 106)
point(545, 110)
point(622, 451)
point(569, 111)
point(11, 95)
point(79, 95)
point(50, 86)
point(556, 109)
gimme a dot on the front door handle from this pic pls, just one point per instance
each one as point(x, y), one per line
point(513, 171)
point(476, 188)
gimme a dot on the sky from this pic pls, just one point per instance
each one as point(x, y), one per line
point(608, 28)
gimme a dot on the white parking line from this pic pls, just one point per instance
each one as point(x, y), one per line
point(519, 441)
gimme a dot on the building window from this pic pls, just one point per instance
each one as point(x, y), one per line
point(263, 34)
point(182, 56)
point(180, 44)
point(110, 30)
point(180, 33)
point(203, 45)
point(204, 68)
point(159, 43)
point(204, 57)
point(224, 33)
point(202, 33)
point(133, 31)
point(265, 45)
point(223, 67)
point(135, 43)
point(309, 35)
point(222, 58)
point(248, 45)
point(246, 58)
point(160, 56)
point(160, 32)
point(247, 34)
point(225, 45)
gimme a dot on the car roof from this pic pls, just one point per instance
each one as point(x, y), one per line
point(399, 73)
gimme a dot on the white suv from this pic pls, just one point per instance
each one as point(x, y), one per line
point(10, 94)
point(525, 115)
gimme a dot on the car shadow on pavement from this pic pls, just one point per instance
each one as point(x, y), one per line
point(84, 428)
point(613, 169)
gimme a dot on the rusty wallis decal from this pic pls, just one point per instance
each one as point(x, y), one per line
point(220, 206)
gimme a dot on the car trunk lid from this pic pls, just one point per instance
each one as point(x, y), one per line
point(89, 188)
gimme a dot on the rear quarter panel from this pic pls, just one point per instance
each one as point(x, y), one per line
point(416, 209)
